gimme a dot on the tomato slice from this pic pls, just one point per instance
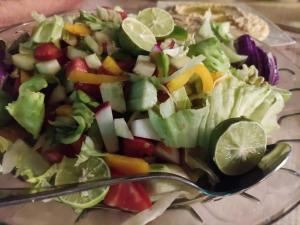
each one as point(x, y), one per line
point(90, 89)
point(72, 150)
point(77, 64)
point(53, 156)
point(137, 147)
point(128, 196)
point(47, 51)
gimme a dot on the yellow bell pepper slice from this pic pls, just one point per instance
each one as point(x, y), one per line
point(111, 65)
point(206, 78)
point(78, 29)
point(91, 78)
point(200, 70)
point(126, 165)
point(64, 110)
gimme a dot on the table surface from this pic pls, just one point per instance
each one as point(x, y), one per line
point(292, 52)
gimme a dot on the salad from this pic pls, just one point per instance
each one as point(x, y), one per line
point(107, 93)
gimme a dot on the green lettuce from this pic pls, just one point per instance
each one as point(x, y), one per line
point(44, 179)
point(216, 59)
point(28, 162)
point(233, 98)
point(88, 149)
point(68, 130)
point(95, 22)
point(4, 144)
point(49, 30)
point(80, 96)
point(29, 109)
point(181, 128)
point(230, 98)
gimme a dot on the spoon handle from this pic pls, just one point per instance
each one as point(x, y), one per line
point(13, 196)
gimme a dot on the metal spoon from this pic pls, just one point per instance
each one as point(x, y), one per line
point(276, 157)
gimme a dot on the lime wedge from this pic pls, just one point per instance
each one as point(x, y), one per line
point(238, 145)
point(159, 21)
point(92, 169)
point(135, 36)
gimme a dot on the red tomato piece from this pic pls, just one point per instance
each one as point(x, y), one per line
point(101, 70)
point(77, 64)
point(90, 89)
point(47, 51)
point(126, 64)
point(162, 96)
point(15, 89)
point(123, 15)
point(137, 147)
point(53, 156)
point(72, 150)
point(104, 47)
point(172, 44)
point(128, 196)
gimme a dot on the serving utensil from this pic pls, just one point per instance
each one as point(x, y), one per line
point(227, 185)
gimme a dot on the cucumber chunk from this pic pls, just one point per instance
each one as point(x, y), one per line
point(25, 62)
point(113, 93)
point(143, 96)
point(93, 61)
point(92, 44)
point(50, 67)
point(73, 53)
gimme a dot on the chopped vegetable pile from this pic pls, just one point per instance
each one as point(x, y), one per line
point(108, 93)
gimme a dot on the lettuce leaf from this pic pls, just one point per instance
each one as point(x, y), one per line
point(96, 22)
point(80, 96)
point(43, 180)
point(28, 162)
point(88, 149)
point(233, 98)
point(4, 144)
point(29, 105)
point(69, 130)
point(49, 30)
point(181, 128)
point(216, 59)
point(230, 98)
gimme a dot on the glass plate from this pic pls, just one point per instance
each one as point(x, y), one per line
point(277, 195)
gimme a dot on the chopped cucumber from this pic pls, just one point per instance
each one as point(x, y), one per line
point(93, 61)
point(143, 128)
point(122, 129)
point(73, 53)
point(50, 67)
point(93, 45)
point(179, 62)
point(143, 96)
point(25, 62)
point(167, 108)
point(113, 93)
point(144, 66)
point(101, 38)
point(69, 38)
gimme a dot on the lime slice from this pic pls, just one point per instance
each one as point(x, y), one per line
point(238, 145)
point(92, 169)
point(159, 21)
point(135, 36)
